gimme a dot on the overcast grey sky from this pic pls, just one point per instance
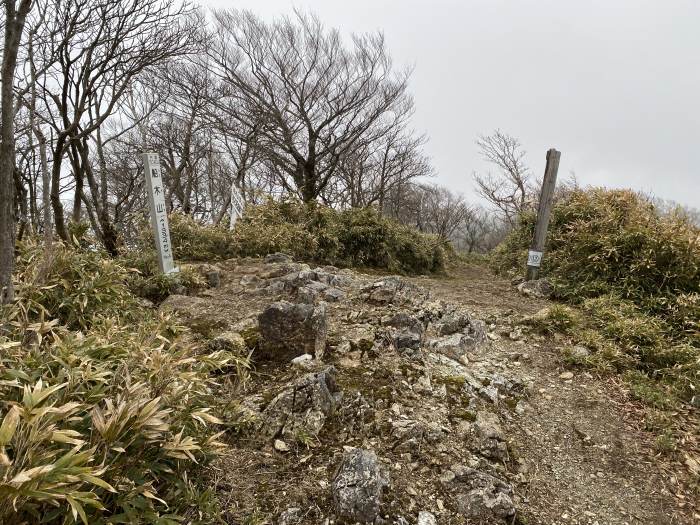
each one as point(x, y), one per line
point(614, 85)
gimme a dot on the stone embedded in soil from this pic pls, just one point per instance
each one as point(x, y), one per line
point(230, 342)
point(482, 497)
point(393, 290)
point(302, 409)
point(539, 288)
point(291, 516)
point(288, 330)
point(452, 323)
point(358, 486)
point(213, 278)
point(333, 295)
point(580, 352)
point(410, 435)
point(426, 518)
point(489, 437)
point(278, 257)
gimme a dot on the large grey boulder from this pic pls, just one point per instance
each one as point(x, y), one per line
point(302, 409)
point(358, 486)
point(481, 497)
point(288, 330)
point(538, 288)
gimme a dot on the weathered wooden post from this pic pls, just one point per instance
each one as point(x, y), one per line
point(534, 255)
point(237, 205)
point(159, 215)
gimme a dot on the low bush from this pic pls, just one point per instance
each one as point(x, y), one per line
point(191, 240)
point(106, 416)
point(636, 275)
point(352, 237)
point(312, 232)
point(604, 242)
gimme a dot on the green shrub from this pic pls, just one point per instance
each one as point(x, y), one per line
point(191, 240)
point(109, 418)
point(614, 241)
point(312, 232)
point(556, 318)
point(635, 273)
point(75, 285)
point(353, 237)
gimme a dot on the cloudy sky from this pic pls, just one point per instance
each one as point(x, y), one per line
point(614, 85)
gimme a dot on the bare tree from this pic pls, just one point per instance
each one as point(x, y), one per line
point(367, 174)
point(96, 49)
point(15, 17)
point(312, 99)
point(509, 190)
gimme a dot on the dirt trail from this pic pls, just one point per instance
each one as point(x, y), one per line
point(575, 452)
point(585, 455)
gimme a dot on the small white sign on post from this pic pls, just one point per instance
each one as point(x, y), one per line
point(237, 205)
point(534, 258)
point(159, 215)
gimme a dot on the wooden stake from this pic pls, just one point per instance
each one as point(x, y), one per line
point(534, 256)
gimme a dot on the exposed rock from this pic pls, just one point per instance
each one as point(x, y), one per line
point(358, 486)
point(333, 295)
point(393, 290)
point(291, 516)
point(303, 408)
point(213, 278)
point(538, 288)
point(230, 342)
point(281, 446)
point(489, 438)
point(580, 352)
point(303, 360)
point(249, 279)
point(288, 330)
point(452, 323)
point(407, 340)
point(426, 518)
point(278, 257)
point(482, 497)
point(410, 435)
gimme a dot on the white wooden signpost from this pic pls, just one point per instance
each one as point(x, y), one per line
point(159, 215)
point(237, 205)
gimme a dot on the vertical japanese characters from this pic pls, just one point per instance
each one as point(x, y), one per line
point(159, 215)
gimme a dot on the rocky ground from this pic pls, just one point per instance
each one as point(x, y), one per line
point(379, 399)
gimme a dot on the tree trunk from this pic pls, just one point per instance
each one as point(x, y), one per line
point(14, 25)
point(56, 204)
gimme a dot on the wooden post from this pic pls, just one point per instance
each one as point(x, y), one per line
point(159, 215)
point(534, 255)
